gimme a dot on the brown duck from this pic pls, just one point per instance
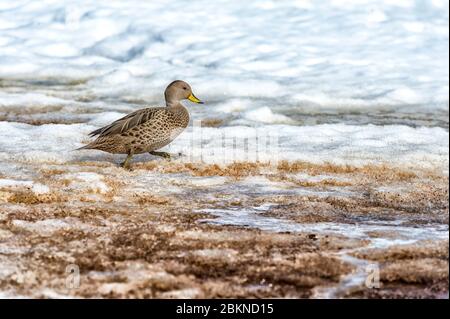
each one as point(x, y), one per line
point(149, 129)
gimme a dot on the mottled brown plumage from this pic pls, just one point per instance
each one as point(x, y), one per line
point(148, 129)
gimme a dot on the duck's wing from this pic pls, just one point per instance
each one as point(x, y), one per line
point(128, 122)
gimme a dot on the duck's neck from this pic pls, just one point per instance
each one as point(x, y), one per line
point(180, 112)
point(174, 104)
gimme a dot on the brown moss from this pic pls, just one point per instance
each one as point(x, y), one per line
point(145, 199)
point(65, 182)
point(212, 122)
point(371, 172)
point(400, 290)
point(306, 270)
point(306, 183)
point(93, 164)
point(236, 170)
point(152, 246)
point(50, 172)
point(377, 172)
point(422, 198)
point(421, 271)
point(437, 249)
point(30, 198)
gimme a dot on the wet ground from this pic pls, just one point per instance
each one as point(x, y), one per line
point(189, 230)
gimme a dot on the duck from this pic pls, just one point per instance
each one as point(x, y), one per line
point(147, 130)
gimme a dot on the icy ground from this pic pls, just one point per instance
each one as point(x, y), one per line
point(353, 95)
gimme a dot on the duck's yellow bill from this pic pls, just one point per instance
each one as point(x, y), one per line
point(194, 99)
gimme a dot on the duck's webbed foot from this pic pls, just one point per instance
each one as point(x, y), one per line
point(161, 154)
point(126, 163)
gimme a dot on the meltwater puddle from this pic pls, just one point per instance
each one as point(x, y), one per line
point(394, 235)
point(253, 218)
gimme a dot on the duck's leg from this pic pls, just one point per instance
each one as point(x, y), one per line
point(162, 154)
point(125, 164)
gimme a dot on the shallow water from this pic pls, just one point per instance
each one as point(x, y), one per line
point(394, 232)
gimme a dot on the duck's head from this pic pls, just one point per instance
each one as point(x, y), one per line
point(179, 90)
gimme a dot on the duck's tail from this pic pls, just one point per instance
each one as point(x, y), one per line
point(85, 147)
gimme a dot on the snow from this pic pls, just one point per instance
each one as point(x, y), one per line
point(335, 143)
point(87, 181)
point(11, 100)
point(38, 143)
point(265, 115)
point(369, 54)
point(49, 226)
point(209, 181)
point(37, 188)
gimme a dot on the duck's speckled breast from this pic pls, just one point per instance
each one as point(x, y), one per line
point(162, 130)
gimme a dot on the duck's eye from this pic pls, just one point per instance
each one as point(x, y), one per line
point(184, 88)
